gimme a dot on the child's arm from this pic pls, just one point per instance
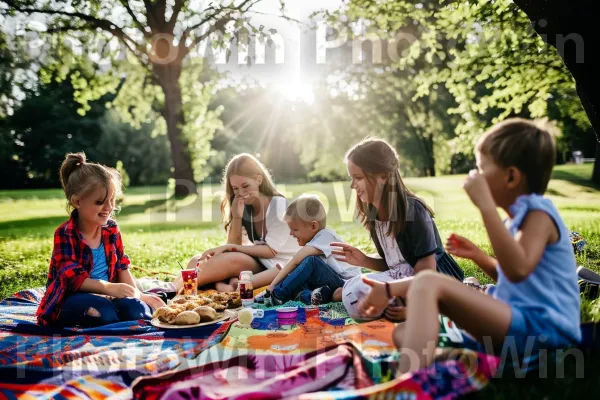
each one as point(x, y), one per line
point(462, 247)
point(425, 263)
point(517, 256)
point(294, 262)
point(118, 290)
point(125, 276)
point(354, 256)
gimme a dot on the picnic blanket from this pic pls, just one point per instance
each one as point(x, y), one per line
point(92, 363)
point(320, 358)
point(327, 355)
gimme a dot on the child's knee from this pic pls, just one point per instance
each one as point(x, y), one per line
point(425, 281)
point(309, 261)
point(130, 309)
point(102, 315)
point(194, 261)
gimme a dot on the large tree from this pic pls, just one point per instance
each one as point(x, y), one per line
point(159, 36)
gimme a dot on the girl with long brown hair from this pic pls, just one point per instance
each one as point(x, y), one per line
point(252, 208)
point(400, 224)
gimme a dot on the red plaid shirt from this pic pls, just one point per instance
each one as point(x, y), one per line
point(72, 263)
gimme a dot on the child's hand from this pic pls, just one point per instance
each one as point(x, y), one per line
point(214, 252)
point(461, 247)
point(120, 290)
point(377, 299)
point(271, 287)
point(237, 207)
point(479, 191)
point(153, 301)
point(349, 254)
point(395, 313)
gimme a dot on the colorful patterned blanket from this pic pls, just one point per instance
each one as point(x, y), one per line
point(321, 358)
point(94, 363)
point(327, 355)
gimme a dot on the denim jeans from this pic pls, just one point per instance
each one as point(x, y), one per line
point(89, 310)
point(312, 273)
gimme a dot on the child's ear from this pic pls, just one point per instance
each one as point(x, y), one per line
point(314, 225)
point(513, 177)
point(75, 201)
point(259, 179)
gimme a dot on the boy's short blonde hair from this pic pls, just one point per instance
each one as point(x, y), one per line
point(526, 145)
point(307, 208)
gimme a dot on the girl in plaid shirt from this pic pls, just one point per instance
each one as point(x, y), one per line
point(89, 282)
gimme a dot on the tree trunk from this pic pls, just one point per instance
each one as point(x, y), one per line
point(596, 174)
point(557, 20)
point(168, 79)
point(430, 155)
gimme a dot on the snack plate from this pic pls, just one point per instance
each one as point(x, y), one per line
point(225, 315)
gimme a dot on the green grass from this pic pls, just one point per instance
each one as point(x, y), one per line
point(158, 232)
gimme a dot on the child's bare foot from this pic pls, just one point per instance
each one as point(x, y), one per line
point(233, 282)
point(224, 287)
point(337, 294)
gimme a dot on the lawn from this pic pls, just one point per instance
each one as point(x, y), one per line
point(158, 232)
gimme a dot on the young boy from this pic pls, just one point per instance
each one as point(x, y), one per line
point(313, 275)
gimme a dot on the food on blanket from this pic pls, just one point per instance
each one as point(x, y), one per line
point(234, 302)
point(206, 313)
point(202, 301)
point(220, 297)
point(245, 316)
point(207, 293)
point(187, 318)
point(166, 314)
point(182, 299)
point(218, 306)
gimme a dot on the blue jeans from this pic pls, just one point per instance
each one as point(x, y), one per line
point(312, 273)
point(89, 310)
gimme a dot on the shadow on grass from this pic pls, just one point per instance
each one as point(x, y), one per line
point(566, 379)
point(574, 178)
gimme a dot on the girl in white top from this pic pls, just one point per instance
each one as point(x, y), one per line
point(257, 237)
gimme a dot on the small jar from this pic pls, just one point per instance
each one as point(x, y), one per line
point(245, 288)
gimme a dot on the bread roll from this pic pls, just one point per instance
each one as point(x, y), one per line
point(187, 318)
point(206, 314)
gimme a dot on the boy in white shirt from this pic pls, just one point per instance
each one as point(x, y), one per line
point(313, 275)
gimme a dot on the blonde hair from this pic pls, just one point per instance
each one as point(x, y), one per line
point(526, 145)
point(79, 177)
point(307, 208)
point(244, 165)
point(376, 156)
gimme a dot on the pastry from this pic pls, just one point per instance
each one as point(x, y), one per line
point(166, 314)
